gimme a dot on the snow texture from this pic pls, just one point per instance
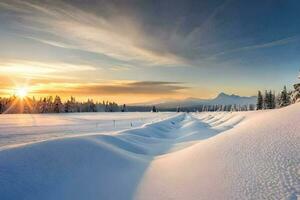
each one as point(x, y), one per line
point(237, 155)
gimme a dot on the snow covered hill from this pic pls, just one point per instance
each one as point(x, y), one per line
point(238, 155)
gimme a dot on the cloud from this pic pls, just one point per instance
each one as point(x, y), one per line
point(119, 68)
point(118, 33)
point(53, 43)
point(35, 73)
point(125, 88)
point(37, 68)
point(271, 44)
point(66, 26)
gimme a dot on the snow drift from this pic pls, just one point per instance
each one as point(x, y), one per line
point(239, 155)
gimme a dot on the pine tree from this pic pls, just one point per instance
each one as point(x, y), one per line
point(123, 108)
point(270, 99)
point(273, 100)
point(284, 98)
point(91, 107)
point(266, 100)
point(58, 106)
point(154, 109)
point(44, 107)
point(259, 105)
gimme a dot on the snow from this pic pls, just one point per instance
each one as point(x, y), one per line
point(237, 155)
point(18, 129)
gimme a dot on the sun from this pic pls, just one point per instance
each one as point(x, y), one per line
point(22, 92)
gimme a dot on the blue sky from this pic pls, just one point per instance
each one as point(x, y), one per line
point(131, 51)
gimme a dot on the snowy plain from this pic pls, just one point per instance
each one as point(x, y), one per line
point(219, 155)
point(19, 129)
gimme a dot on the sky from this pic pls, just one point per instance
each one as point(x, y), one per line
point(135, 51)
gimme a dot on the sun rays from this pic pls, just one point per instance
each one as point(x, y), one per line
point(19, 101)
point(22, 92)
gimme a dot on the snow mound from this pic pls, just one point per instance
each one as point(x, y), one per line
point(259, 158)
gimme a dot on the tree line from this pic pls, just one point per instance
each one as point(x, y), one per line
point(217, 108)
point(271, 101)
point(52, 104)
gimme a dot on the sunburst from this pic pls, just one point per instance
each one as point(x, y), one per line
point(22, 92)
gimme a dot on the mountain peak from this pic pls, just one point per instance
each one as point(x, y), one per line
point(222, 94)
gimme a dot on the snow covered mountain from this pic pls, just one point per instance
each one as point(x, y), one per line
point(222, 98)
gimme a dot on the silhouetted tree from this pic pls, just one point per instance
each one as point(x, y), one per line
point(123, 108)
point(154, 109)
point(259, 104)
point(58, 106)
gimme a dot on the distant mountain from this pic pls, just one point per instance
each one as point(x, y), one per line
point(222, 99)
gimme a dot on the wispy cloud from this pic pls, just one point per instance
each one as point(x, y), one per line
point(36, 68)
point(120, 88)
point(119, 68)
point(53, 43)
point(113, 36)
point(270, 44)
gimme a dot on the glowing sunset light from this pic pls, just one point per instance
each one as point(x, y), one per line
point(22, 92)
point(135, 56)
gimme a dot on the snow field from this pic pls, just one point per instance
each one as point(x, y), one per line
point(238, 155)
